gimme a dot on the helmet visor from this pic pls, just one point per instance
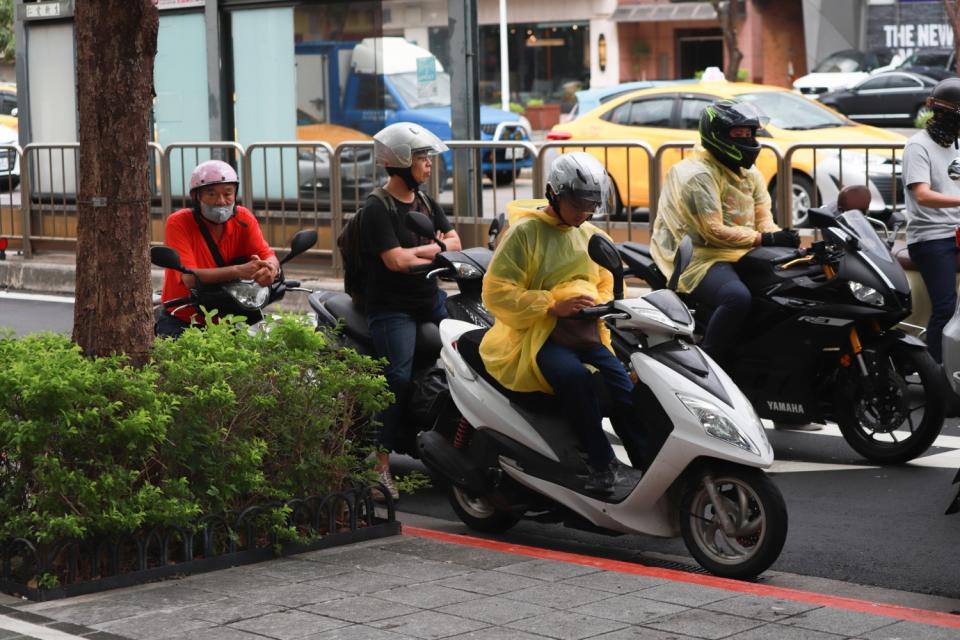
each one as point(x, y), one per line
point(433, 149)
point(595, 201)
point(749, 113)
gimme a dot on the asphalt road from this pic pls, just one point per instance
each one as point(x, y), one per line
point(849, 521)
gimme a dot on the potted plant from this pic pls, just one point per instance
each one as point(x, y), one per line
point(542, 115)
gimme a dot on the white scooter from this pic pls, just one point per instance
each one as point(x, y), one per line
point(697, 468)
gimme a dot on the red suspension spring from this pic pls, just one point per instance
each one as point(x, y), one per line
point(462, 438)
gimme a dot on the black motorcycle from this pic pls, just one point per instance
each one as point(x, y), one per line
point(243, 298)
point(821, 342)
point(336, 310)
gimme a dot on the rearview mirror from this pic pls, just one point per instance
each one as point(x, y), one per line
point(167, 258)
point(496, 227)
point(602, 251)
point(420, 224)
point(302, 240)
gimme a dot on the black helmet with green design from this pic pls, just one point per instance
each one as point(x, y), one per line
point(718, 119)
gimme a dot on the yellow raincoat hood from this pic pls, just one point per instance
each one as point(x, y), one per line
point(538, 261)
point(720, 210)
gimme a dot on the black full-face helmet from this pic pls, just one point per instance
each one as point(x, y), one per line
point(718, 119)
point(944, 101)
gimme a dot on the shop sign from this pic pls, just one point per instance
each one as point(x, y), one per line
point(905, 29)
point(426, 77)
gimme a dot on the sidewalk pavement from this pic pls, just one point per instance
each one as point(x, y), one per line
point(427, 584)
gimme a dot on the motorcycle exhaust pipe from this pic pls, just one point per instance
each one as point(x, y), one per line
point(440, 456)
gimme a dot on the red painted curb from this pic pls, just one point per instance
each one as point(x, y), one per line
point(835, 602)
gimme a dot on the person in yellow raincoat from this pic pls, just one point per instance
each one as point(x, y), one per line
point(719, 199)
point(539, 278)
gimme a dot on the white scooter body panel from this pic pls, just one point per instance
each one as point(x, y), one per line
point(480, 403)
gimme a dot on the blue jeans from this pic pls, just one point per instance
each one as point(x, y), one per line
point(394, 337)
point(563, 369)
point(937, 262)
point(723, 291)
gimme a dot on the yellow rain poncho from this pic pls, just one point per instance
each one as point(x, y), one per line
point(720, 210)
point(539, 260)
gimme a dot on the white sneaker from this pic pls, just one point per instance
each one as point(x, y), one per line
point(386, 479)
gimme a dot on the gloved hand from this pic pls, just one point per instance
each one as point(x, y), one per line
point(782, 238)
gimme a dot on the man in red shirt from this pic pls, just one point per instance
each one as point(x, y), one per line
point(231, 229)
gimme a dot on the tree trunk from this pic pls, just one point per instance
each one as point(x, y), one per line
point(953, 15)
point(727, 14)
point(116, 46)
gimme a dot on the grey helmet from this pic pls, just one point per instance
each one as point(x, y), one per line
point(394, 146)
point(580, 176)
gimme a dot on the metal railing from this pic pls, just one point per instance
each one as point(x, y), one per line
point(310, 183)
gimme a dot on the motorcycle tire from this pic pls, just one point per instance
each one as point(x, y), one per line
point(908, 372)
point(757, 509)
point(478, 514)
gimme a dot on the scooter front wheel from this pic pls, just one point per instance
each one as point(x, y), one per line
point(756, 518)
point(478, 513)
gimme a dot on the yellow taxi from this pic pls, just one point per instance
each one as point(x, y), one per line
point(671, 113)
point(8, 105)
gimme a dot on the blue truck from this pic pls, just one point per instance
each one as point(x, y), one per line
point(375, 82)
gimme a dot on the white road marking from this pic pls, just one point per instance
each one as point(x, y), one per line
point(34, 630)
point(36, 297)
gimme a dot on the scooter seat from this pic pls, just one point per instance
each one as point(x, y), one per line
point(341, 306)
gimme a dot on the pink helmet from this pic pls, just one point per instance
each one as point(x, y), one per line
point(212, 172)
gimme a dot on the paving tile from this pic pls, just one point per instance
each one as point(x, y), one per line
point(214, 633)
point(631, 608)
point(703, 624)
point(356, 632)
point(547, 569)
point(782, 632)
point(360, 609)
point(352, 557)
point(494, 610)
point(419, 570)
point(294, 595)
point(288, 625)
point(9, 635)
point(230, 610)
point(164, 597)
point(152, 625)
point(839, 621)
point(614, 582)
point(297, 570)
point(495, 633)
point(683, 593)
point(643, 633)
point(428, 625)
point(103, 635)
point(468, 556)
point(558, 596)
point(91, 613)
point(565, 625)
point(759, 608)
point(69, 627)
point(232, 580)
point(363, 582)
point(489, 583)
point(913, 630)
point(427, 596)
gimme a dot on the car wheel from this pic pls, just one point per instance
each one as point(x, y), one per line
point(803, 196)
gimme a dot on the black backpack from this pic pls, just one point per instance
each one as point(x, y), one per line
point(349, 244)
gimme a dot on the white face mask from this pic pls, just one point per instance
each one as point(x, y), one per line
point(216, 214)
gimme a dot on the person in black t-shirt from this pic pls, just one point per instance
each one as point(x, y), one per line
point(396, 299)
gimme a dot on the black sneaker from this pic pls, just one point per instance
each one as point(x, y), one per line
point(601, 480)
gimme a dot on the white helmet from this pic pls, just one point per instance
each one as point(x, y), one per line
point(580, 176)
point(395, 145)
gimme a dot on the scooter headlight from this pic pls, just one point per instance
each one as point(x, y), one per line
point(466, 271)
point(866, 294)
point(716, 423)
point(248, 294)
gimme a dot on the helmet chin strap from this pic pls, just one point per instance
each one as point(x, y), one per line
point(406, 174)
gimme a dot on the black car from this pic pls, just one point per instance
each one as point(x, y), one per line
point(938, 63)
point(888, 98)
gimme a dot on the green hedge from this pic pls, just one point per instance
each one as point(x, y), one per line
point(220, 419)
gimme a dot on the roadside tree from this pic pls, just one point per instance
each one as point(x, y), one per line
point(116, 45)
point(727, 14)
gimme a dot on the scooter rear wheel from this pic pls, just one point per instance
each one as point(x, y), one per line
point(754, 506)
point(478, 513)
point(894, 415)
